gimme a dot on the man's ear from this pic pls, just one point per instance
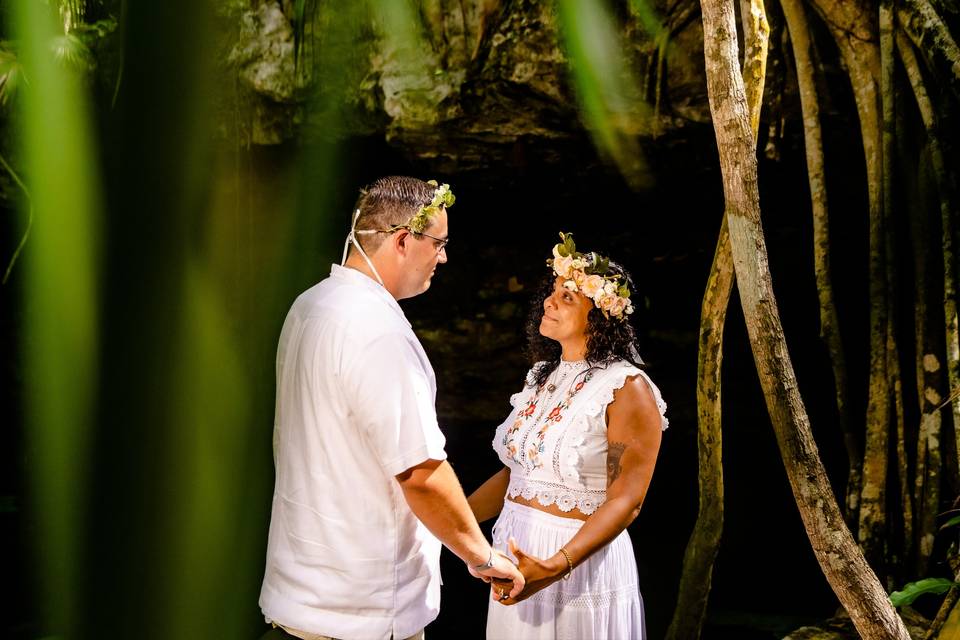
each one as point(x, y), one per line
point(400, 239)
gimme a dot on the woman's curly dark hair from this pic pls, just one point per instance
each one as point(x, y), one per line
point(608, 339)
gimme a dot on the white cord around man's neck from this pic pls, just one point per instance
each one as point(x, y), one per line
point(352, 237)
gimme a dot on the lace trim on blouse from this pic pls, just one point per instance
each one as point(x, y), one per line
point(566, 498)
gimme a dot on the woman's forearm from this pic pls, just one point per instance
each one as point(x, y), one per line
point(605, 524)
point(487, 501)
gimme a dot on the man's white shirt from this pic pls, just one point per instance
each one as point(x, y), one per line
point(355, 407)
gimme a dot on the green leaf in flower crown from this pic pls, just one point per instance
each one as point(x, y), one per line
point(569, 244)
point(623, 291)
point(600, 264)
point(914, 590)
point(562, 250)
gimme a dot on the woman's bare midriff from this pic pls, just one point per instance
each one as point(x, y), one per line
point(552, 509)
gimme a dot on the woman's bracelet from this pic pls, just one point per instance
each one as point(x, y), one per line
point(569, 563)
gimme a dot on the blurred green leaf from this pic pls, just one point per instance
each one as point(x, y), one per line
point(648, 16)
point(11, 72)
point(913, 590)
point(71, 52)
point(61, 287)
point(952, 522)
point(608, 94)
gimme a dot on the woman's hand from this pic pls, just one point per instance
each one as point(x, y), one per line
point(539, 574)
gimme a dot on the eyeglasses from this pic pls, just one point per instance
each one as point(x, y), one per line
point(440, 243)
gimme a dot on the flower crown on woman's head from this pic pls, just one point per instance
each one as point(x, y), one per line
point(442, 197)
point(589, 274)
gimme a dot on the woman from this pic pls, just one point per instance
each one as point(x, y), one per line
point(579, 450)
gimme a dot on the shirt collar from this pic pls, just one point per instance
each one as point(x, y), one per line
point(359, 279)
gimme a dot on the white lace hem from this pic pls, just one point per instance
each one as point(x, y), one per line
point(565, 498)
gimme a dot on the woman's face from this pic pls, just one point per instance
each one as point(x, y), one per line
point(565, 314)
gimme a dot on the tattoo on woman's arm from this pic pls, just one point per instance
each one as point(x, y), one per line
point(614, 453)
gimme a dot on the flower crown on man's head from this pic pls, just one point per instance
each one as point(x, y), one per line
point(442, 197)
point(590, 275)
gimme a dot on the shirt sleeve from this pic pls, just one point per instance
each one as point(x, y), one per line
point(392, 402)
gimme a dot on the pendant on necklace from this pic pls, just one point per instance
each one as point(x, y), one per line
point(551, 388)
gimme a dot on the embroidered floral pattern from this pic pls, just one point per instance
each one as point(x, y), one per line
point(535, 448)
point(551, 442)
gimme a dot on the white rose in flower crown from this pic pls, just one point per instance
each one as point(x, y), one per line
point(562, 266)
point(592, 285)
point(579, 277)
point(609, 288)
point(618, 305)
point(556, 251)
point(570, 284)
point(606, 302)
point(578, 263)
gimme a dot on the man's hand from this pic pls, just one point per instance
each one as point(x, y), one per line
point(502, 571)
point(538, 573)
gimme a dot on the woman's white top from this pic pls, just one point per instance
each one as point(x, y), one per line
point(555, 439)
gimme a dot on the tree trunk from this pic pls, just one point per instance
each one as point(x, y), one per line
point(844, 566)
point(895, 383)
point(756, 33)
point(854, 27)
point(929, 371)
point(948, 213)
point(796, 19)
point(701, 551)
point(932, 37)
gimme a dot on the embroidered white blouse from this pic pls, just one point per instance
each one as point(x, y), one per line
point(555, 439)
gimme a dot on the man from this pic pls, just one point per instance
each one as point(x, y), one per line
point(363, 491)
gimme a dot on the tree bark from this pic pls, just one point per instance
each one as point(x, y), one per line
point(756, 34)
point(931, 36)
point(844, 566)
point(948, 214)
point(854, 27)
point(895, 382)
point(796, 19)
point(701, 551)
point(929, 371)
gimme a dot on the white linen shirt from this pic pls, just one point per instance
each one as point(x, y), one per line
point(355, 407)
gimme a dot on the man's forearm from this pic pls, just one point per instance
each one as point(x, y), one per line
point(435, 496)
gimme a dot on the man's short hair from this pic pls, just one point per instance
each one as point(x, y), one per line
point(389, 201)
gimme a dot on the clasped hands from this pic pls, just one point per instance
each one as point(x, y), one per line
point(512, 582)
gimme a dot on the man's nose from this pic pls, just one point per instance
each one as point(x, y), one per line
point(442, 256)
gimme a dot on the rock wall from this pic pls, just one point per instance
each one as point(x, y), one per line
point(475, 78)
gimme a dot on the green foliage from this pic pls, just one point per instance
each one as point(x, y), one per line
point(913, 590)
point(647, 14)
point(952, 522)
point(73, 53)
point(606, 89)
point(94, 31)
point(299, 22)
point(11, 72)
point(442, 197)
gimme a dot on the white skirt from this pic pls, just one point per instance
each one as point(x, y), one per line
point(601, 600)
